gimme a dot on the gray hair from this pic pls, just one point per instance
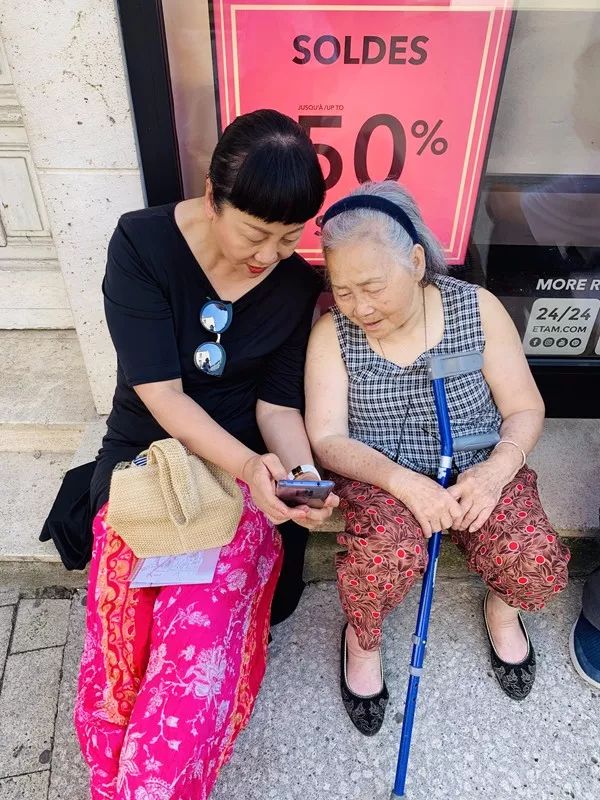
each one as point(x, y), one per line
point(361, 223)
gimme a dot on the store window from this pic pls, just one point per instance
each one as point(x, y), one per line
point(395, 90)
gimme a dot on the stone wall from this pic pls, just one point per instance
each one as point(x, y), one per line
point(69, 77)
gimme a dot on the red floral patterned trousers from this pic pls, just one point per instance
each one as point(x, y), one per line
point(516, 552)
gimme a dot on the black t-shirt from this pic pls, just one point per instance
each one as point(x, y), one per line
point(153, 290)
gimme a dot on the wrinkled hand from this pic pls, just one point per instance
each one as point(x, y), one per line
point(261, 474)
point(478, 491)
point(434, 508)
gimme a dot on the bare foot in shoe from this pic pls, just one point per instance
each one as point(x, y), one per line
point(363, 667)
point(506, 632)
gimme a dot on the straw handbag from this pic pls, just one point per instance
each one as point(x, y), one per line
point(177, 503)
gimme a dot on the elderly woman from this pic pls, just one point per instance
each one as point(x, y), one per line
point(372, 424)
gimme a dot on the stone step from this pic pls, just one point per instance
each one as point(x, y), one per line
point(29, 480)
point(42, 262)
point(45, 406)
point(31, 438)
point(34, 299)
point(28, 486)
point(45, 399)
point(566, 460)
point(322, 547)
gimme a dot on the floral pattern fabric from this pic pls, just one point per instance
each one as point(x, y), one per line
point(516, 552)
point(169, 676)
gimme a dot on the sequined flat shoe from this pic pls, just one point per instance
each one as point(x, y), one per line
point(516, 680)
point(367, 713)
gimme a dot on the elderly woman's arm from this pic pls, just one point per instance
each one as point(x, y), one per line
point(326, 421)
point(507, 373)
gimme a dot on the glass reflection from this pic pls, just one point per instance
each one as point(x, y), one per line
point(210, 358)
point(215, 316)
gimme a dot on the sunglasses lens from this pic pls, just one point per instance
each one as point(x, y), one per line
point(215, 316)
point(210, 358)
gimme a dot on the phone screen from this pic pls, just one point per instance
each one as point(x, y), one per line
point(304, 493)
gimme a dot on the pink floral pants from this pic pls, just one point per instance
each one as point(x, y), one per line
point(169, 676)
point(516, 552)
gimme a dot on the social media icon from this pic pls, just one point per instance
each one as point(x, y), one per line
point(562, 342)
point(548, 342)
point(535, 342)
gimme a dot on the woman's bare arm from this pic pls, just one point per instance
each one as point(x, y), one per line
point(327, 425)
point(507, 373)
point(326, 385)
point(185, 420)
point(283, 431)
point(511, 383)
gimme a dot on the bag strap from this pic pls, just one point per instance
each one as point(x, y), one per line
point(177, 483)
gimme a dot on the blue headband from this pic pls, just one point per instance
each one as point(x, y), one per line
point(377, 204)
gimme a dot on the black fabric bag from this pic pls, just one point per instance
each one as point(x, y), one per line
point(69, 523)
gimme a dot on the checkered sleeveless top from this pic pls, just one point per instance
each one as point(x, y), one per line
point(391, 408)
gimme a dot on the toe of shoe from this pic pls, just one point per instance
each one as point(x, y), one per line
point(366, 713)
point(516, 680)
point(584, 647)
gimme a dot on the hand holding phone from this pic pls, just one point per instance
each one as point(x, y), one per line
point(304, 493)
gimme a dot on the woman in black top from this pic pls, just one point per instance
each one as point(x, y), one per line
point(169, 676)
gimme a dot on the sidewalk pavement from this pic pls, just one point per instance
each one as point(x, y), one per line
point(470, 741)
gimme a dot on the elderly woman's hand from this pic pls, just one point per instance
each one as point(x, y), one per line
point(434, 508)
point(478, 491)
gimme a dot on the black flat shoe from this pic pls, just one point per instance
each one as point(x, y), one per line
point(366, 713)
point(516, 680)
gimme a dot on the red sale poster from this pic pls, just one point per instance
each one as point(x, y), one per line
point(395, 90)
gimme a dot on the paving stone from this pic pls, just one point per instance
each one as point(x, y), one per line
point(69, 779)
point(6, 619)
point(470, 742)
point(40, 623)
point(9, 597)
point(25, 787)
point(27, 710)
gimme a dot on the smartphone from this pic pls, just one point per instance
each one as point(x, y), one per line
point(304, 493)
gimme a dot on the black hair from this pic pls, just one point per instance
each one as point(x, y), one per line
point(266, 165)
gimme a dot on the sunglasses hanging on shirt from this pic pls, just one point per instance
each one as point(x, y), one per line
point(215, 317)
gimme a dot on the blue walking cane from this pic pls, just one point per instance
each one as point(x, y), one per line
point(440, 368)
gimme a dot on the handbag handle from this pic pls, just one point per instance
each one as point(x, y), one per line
point(177, 483)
